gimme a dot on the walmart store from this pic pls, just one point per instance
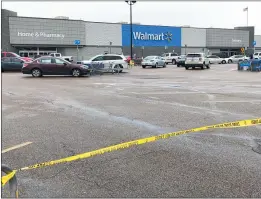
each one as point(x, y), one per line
point(33, 36)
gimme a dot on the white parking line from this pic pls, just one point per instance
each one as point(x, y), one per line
point(16, 147)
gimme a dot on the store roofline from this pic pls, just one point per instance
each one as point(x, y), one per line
point(47, 18)
point(124, 23)
point(47, 45)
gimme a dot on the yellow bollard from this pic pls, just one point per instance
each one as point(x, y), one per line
point(131, 63)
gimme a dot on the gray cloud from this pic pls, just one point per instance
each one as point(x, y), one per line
point(197, 14)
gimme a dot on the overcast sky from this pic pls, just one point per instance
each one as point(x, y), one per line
point(197, 14)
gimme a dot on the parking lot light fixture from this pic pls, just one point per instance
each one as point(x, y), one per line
point(131, 3)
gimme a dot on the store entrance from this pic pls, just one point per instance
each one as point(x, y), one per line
point(230, 52)
point(33, 52)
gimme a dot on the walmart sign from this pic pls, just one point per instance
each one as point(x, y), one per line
point(146, 36)
point(151, 35)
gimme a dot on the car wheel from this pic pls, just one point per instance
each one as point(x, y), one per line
point(122, 68)
point(174, 62)
point(202, 67)
point(178, 65)
point(164, 65)
point(76, 72)
point(36, 72)
point(229, 61)
point(207, 66)
point(116, 69)
point(223, 62)
point(143, 66)
point(156, 65)
point(186, 67)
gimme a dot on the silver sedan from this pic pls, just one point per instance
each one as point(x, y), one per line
point(236, 58)
point(153, 61)
point(213, 59)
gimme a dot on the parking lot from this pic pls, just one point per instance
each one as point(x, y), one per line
point(64, 116)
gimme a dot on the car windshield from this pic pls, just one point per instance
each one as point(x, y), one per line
point(94, 57)
point(16, 55)
point(67, 62)
point(149, 57)
point(256, 54)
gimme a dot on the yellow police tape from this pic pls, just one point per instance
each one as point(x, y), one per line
point(242, 123)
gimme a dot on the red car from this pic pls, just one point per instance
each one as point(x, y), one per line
point(11, 54)
point(48, 65)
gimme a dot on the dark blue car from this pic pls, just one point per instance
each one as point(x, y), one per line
point(11, 64)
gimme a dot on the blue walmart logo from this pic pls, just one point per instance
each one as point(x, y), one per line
point(168, 36)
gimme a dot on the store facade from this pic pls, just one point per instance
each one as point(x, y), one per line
point(38, 36)
point(29, 36)
point(226, 41)
point(258, 43)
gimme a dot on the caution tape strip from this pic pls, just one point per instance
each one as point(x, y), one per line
point(242, 123)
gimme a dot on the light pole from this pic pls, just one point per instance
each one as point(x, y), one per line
point(130, 3)
point(110, 46)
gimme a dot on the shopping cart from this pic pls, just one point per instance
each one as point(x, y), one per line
point(244, 65)
point(255, 65)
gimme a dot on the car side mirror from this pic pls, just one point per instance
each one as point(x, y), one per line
point(21, 62)
point(64, 63)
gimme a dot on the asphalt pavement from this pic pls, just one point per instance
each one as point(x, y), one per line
point(64, 116)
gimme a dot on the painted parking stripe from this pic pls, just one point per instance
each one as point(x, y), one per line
point(16, 147)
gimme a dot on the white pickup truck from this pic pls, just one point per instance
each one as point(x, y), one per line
point(67, 58)
point(170, 58)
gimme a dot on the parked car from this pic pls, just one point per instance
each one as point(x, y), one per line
point(59, 55)
point(194, 60)
point(48, 65)
point(170, 58)
point(12, 54)
point(11, 64)
point(181, 60)
point(257, 55)
point(236, 58)
point(105, 61)
point(153, 61)
point(214, 59)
